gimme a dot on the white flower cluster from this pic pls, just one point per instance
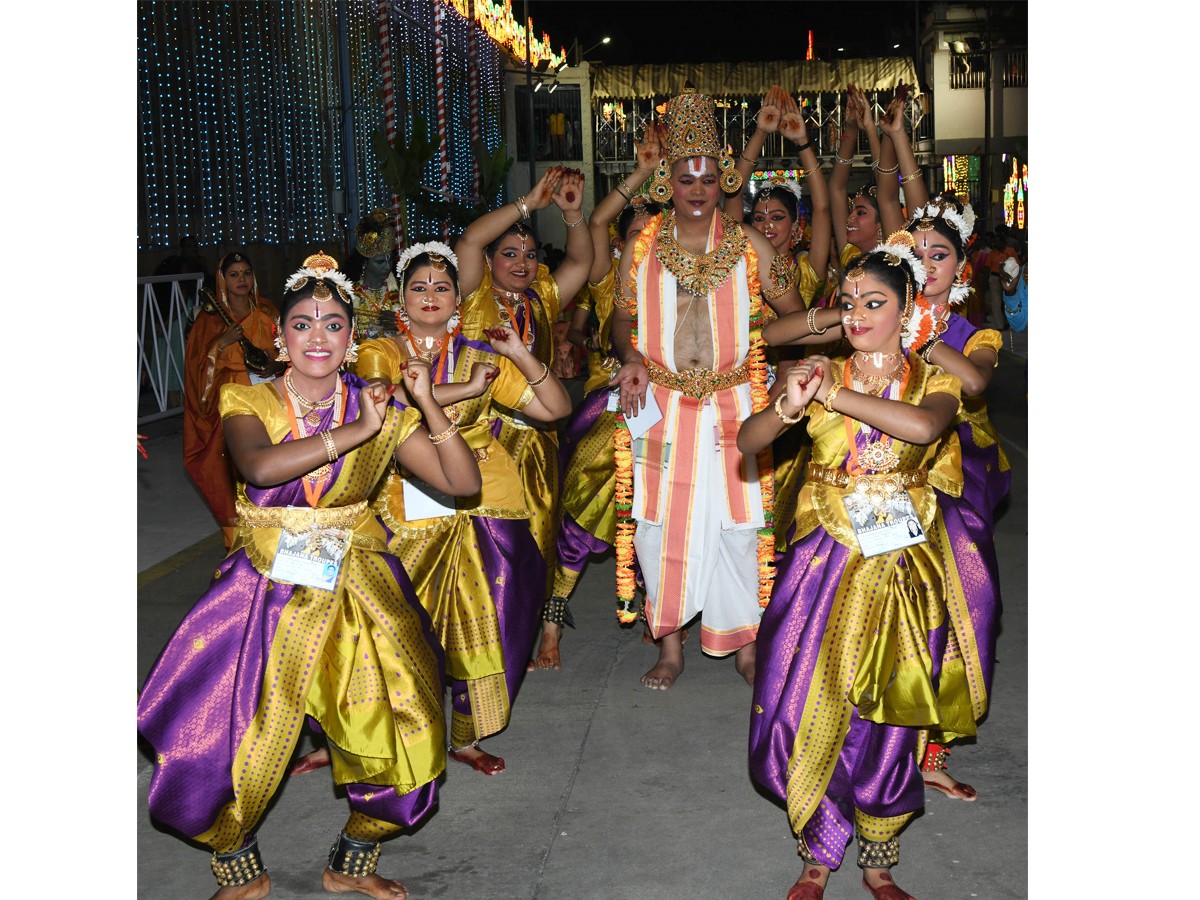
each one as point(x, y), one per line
point(327, 274)
point(410, 253)
point(906, 254)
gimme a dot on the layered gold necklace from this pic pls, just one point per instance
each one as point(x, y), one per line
point(701, 273)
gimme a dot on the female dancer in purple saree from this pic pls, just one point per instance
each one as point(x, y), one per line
point(476, 567)
point(338, 635)
point(850, 647)
point(942, 231)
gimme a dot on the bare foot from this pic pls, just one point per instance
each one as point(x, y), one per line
point(669, 665)
point(310, 762)
point(743, 661)
point(810, 885)
point(479, 760)
point(255, 890)
point(942, 780)
point(878, 883)
point(372, 885)
point(547, 655)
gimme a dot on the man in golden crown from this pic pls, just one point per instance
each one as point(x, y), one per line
point(687, 330)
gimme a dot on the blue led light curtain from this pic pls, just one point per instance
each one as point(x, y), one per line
point(240, 113)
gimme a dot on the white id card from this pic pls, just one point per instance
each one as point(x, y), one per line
point(892, 525)
point(646, 418)
point(614, 400)
point(424, 502)
point(311, 558)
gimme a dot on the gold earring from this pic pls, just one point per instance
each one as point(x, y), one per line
point(660, 186)
point(282, 355)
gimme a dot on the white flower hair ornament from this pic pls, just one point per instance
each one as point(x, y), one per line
point(778, 181)
point(963, 223)
point(437, 251)
point(321, 267)
point(899, 244)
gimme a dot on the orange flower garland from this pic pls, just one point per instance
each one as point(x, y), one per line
point(758, 398)
point(623, 455)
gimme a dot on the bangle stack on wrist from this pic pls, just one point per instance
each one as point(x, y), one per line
point(582, 219)
point(812, 322)
point(522, 208)
point(545, 374)
point(828, 404)
point(444, 436)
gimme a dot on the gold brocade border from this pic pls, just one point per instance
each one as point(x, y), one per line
point(296, 519)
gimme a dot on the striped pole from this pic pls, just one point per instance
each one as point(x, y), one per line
point(389, 109)
point(439, 67)
point(473, 86)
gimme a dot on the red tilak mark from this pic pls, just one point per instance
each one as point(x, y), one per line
point(814, 873)
point(635, 381)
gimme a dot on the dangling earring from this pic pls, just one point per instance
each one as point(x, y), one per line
point(660, 185)
point(455, 319)
point(731, 178)
point(282, 355)
point(352, 350)
point(401, 316)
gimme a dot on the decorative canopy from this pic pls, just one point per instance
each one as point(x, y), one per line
point(752, 79)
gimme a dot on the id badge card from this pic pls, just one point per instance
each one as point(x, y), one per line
point(614, 400)
point(645, 419)
point(424, 502)
point(312, 558)
point(884, 526)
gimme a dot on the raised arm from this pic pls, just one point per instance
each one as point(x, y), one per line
point(573, 271)
point(649, 152)
point(438, 456)
point(839, 180)
point(766, 122)
point(783, 296)
point(488, 227)
point(916, 192)
point(792, 127)
point(550, 399)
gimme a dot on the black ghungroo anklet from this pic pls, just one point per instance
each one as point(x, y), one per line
point(558, 612)
point(353, 858)
point(878, 854)
point(238, 868)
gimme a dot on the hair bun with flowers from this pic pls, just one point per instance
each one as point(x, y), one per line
point(899, 246)
point(433, 248)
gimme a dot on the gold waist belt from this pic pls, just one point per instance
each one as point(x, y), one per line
point(297, 520)
point(890, 483)
point(698, 382)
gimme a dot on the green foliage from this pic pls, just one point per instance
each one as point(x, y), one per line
point(401, 168)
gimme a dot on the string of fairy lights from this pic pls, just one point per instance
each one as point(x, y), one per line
point(240, 115)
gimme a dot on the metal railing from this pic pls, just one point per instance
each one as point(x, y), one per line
point(164, 316)
point(618, 122)
point(968, 70)
point(1016, 68)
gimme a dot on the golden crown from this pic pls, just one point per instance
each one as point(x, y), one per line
point(376, 234)
point(691, 122)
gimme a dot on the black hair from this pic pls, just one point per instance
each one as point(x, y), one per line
point(235, 256)
point(899, 278)
point(516, 228)
point(305, 292)
point(783, 195)
point(629, 212)
point(424, 259)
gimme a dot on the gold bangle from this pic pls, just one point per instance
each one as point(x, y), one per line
point(522, 207)
point(812, 322)
point(892, 171)
point(444, 436)
point(545, 374)
point(620, 189)
point(928, 349)
point(828, 404)
point(844, 162)
point(779, 410)
point(748, 159)
point(905, 179)
point(582, 219)
point(331, 452)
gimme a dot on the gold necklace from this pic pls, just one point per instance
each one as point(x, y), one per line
point(701, 273)
point(314, 414)
point(878, 383)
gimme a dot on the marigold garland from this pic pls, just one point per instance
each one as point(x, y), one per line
point(623, 454)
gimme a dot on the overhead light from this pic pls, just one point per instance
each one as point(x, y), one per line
point(841, 49)
point(895, 46)
point(605, 40)
point(562, 65)
point(537, 87)
point(553, 86)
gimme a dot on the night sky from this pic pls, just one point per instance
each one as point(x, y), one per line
point(692, 31)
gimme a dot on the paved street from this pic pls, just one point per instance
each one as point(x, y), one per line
point(612, 790)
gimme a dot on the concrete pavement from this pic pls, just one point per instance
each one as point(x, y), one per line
point(612, 790)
